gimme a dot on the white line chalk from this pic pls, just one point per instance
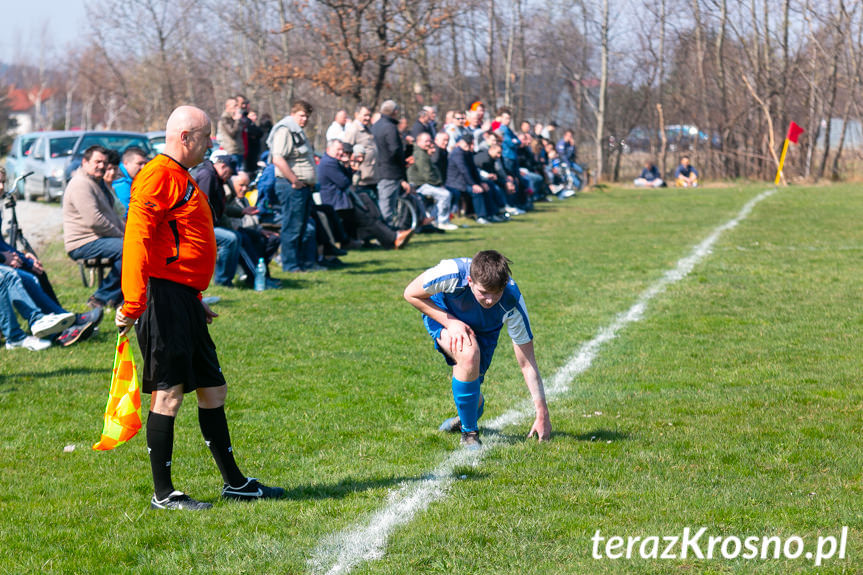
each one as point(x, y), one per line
point(366, 541)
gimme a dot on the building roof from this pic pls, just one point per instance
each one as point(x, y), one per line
point(22, 100)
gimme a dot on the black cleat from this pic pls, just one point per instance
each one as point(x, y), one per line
point(179, 500)
point(93, 316)
point(76, 333)
point(451, 425)
point(251, 491)
point(470, 440)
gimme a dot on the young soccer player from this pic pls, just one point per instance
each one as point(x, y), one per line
point(465, 302)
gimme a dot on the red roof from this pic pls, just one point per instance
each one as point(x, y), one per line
point(21, 100)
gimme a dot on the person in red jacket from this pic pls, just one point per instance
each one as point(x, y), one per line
point(169, 254)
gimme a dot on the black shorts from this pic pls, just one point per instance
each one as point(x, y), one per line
point(174, 340)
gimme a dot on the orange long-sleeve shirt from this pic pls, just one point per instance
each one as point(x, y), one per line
point(169, 233)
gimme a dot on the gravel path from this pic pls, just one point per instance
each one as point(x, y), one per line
point(41, 223)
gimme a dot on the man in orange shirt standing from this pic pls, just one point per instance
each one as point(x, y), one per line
point(169, 254)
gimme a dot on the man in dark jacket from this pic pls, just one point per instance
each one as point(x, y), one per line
point(210, 178)
point(501, 185)
point(358, 213)
point(425, 123)
point(440, 155)
point(390, 163)
point(463, 177)
point(254, 135)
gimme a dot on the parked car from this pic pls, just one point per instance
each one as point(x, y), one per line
point(117, 141)
point(157, 141)
point(47, 159)
point(17, 155)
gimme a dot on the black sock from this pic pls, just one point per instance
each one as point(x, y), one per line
point(160, 445)
point(214, 428)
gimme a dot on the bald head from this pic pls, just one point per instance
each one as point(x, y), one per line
point(186, 118)
point(424, 140)
point(241, 183)
point(187, 135)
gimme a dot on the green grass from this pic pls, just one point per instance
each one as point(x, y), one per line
point(735, 404)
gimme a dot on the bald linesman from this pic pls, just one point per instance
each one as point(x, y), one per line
point(169, 255)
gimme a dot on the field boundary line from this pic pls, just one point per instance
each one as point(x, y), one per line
point(366, 541)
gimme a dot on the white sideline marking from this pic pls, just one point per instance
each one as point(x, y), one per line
point(341, 552)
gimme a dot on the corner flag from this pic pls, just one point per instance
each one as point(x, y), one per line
point(123, 412)
point(794, 132)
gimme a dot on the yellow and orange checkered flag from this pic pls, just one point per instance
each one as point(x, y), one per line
point(123, 412)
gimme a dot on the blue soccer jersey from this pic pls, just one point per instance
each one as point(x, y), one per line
point(449, 290)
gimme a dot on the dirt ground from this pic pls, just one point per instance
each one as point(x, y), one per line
point(40, 222)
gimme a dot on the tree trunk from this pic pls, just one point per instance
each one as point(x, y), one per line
point(492, 84)
point(507, 65)
point(522, 65)
point(663, 140)
point(603, 88)
point(703, 120)
point(288, 90)
point(456, 62)
point(722, 80)
point(834, 86)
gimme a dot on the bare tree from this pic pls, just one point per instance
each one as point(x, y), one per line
point(599, 109)
point(360, 42)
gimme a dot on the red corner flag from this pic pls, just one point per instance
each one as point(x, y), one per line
point(794, 132)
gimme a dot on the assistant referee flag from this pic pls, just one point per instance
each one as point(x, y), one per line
point(123, 412)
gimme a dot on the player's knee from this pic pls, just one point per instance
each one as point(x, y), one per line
point(468, 357)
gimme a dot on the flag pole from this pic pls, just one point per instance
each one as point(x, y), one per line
point(781, 161)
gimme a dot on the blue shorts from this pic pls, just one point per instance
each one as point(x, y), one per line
point(487, 345)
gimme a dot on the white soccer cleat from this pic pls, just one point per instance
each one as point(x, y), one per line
point(51, 324)
point(30, 342)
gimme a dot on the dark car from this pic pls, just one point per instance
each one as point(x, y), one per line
point(157, 141)
point(117, 141)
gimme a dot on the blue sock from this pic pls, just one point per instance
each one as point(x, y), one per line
point(466, 395)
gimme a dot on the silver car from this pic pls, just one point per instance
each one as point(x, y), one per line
point(15, 161)
point(48, 158)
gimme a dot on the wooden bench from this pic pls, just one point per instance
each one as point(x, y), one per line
point(94, 270)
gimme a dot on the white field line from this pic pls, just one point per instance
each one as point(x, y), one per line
point(341, 552)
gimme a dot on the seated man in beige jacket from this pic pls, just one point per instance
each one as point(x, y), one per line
point(91, 226)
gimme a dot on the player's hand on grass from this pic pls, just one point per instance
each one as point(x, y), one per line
point(123, 323)
point(210, 314)
point(541, 427)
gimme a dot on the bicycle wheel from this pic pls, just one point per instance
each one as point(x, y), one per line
point(405, 217)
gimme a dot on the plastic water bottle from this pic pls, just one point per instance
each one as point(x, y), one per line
point(261, 275)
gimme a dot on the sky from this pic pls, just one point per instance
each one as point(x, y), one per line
point(22, 22)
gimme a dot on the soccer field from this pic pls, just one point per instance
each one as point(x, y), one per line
point(725, 398)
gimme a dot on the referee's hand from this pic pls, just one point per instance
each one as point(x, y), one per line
point(208, 313)
point(123, 323)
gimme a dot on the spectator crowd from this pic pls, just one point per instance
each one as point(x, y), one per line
point(379, 180)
